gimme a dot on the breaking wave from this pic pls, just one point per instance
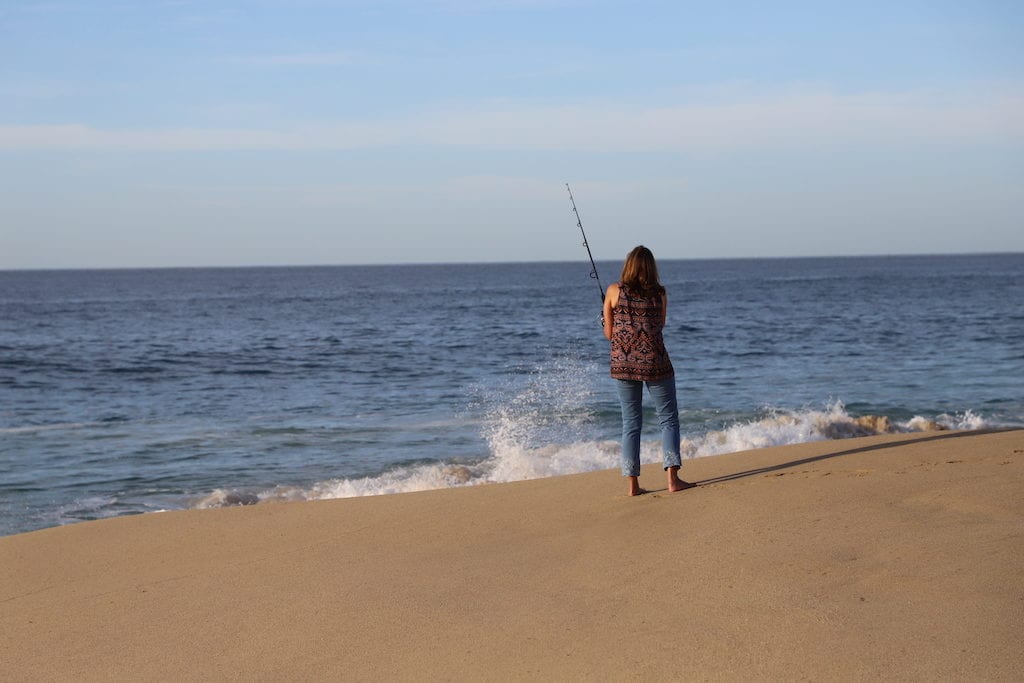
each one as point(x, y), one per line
point(516, 432)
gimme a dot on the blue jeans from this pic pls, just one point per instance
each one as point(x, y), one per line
point(631, 397)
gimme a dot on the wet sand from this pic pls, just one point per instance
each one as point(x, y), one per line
point(894, 557)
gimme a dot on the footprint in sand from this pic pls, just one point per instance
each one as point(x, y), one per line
point(782, 474)
point(851, 473)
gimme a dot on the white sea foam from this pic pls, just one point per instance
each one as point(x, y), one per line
point(90, 507)
point(513, 432)
point(29, 429)
point(782, 427)
point(965, 420)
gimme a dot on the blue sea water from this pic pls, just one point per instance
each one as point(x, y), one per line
point(126, 391)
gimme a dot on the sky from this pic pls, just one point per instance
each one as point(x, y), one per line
point(272, 132)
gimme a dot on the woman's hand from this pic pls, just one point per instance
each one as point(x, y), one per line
point(611, 299)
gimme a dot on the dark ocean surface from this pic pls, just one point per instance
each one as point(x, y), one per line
point(126, 391)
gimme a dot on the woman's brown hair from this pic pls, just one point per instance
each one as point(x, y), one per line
point(640, 273)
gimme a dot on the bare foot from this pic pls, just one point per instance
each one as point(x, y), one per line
point(675, 483)
point(634, 487)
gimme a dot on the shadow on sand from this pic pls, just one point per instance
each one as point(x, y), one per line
point(850, 451)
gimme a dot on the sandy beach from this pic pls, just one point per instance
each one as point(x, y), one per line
point(888, 557)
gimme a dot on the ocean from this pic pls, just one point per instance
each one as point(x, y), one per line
point(132, 391)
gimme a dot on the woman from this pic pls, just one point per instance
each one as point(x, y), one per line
point(634, 316)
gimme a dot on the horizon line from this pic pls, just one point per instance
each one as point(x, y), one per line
point(263, 266)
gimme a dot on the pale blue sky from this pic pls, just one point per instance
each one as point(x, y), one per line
point(305, 132)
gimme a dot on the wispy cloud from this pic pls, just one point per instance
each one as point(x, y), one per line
point(80, 137)
point(48, 89)
point(787, 121)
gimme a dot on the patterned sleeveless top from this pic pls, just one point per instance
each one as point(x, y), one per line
point(638, 348)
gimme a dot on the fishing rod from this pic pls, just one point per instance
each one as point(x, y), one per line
point(593, 266)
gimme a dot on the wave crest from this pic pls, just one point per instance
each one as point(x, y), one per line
point(513, 432)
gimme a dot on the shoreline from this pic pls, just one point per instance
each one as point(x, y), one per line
point(894, 556)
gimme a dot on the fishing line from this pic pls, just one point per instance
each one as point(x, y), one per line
point(593, 266)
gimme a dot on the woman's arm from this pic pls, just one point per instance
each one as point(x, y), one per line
point(611, 298)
